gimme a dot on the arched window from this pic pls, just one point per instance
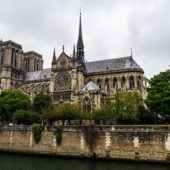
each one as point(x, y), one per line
point(107, 84)
point(87, 105)
point(131, 83)
point(99, 83)
point(115, 85)
point(123, 81)
point(16, 58)
point(1, 56)
point(139, 82)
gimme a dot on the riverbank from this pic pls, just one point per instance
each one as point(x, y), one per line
point(134, 143)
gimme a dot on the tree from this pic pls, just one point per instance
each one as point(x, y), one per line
point(127, 106)
point(104, 114)
point(41, 101)
point(26, 117)
point(63, 112)
point(158, 98)
point(12, 100)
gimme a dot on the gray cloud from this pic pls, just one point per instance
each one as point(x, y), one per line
point(110, 28)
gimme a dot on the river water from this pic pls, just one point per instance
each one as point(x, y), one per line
point(23, 162)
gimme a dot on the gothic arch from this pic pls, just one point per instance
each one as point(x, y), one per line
point(87, 107)
point(1, 56)
point(107, 87)
point(123, 82)
point(99, 82)
point(115, 83)
point(131, 82)
point(139, 82)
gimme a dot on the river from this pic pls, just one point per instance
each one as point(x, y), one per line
point(24, 162)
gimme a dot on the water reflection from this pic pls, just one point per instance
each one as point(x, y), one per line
point(23, 162)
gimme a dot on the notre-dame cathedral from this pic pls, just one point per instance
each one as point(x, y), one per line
point(70, 79)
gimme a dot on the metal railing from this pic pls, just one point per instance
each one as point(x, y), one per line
point(101, 128)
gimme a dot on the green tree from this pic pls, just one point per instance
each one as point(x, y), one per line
point(158, 98)
point(127, 107)
point(26, 117)
point(12, 100)
point(41, 101)
point(63, 112)
point(68, 112)
point(104, 114)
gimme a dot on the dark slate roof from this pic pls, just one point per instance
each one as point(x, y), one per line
point(9, 42)
point(38, 75)
point(113, 65)
point(33, 53)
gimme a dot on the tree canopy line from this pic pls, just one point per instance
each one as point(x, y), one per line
point(124, 108)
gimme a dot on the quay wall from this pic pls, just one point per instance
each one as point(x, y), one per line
point(127, 143)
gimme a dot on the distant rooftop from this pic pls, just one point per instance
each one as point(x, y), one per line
point(115, 64)
point(33, 53)
point(9, 42)
point(91, 86)
point(38, 75)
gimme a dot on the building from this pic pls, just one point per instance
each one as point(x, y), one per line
point(70, 79)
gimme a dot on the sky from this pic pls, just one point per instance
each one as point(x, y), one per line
point(110, 29)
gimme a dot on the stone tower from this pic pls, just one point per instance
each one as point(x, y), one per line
point(11, 64)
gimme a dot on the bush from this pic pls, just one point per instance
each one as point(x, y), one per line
point(26, 117)
point(37, 130)
point(58, 134)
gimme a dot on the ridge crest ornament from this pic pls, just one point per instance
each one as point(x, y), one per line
point(62, 81)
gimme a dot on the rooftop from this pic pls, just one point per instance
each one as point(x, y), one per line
point(116, 64)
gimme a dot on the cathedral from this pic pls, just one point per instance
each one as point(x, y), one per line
point(70, 79)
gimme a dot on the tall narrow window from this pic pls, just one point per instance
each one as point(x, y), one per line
point(107, 88)
point(87, 105)
point(123, 82)
point(16, 59)
point(132, 83)
point(115, 84)
point(1, 56)
point(99, 83)
point(139, 82)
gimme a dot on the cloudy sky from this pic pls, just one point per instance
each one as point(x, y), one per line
point(110, 29)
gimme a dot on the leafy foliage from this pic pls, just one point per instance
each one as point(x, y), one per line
point(37, 130)
point(158, 99)
point(58, 134)
point(63, 112)
point(26, 117)
point(104, 114)
point(12, 100)
point(41, 101)
point(127, 106)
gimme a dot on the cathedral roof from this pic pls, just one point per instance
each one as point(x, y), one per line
point(91, 86)
point(38, 75)
point(113, 65)
point(99, 67)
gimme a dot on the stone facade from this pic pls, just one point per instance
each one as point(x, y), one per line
point(70, 79)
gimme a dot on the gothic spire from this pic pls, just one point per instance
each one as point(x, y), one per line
point(54, 57)
point(80, 37)
point(80, 46)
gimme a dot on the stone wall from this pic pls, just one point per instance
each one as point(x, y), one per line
point(112, 143)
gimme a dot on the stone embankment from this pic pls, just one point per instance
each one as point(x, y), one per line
point(145, 143)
